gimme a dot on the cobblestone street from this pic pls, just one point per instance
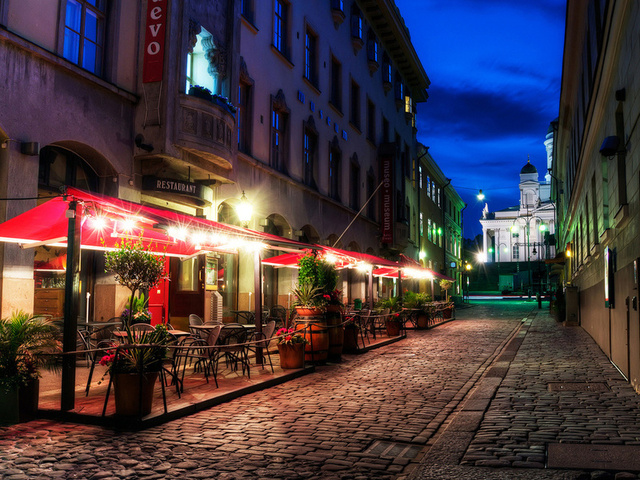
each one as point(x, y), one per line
point(473, 398)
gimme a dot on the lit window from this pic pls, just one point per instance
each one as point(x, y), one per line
point(280, 26)
point(199, 71)
point(311, 57)
point(84, 28)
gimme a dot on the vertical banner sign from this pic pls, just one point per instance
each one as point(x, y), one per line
point(153, 61)
point(387, 199)
point(608, 278)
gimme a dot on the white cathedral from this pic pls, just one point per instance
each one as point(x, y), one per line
point(524, 232)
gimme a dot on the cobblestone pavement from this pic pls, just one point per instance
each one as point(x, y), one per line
point(451, 402)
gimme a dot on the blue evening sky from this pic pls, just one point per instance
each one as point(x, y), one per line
point(495, 69)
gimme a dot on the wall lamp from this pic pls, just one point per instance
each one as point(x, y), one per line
point(26, 148)
point(610, 146)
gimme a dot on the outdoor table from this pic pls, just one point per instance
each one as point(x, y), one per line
point(245, 315)
point(121, 334)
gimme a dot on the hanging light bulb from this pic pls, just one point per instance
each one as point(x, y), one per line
point(480, 195)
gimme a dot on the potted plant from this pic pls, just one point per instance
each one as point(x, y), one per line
point(351, 331)
point(138, 311)
point(135, 268)
point(418, 302)
point(134, 368)
point(291, 348)
point(447, 311)
point(393, 321)
point(27, 344)
point(199, 91)
point(309, 300)
point(446, 285)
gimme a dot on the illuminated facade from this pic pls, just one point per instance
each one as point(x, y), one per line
point(295, 104)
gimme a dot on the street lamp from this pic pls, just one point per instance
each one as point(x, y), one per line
point(514, 228)
point(244, 210)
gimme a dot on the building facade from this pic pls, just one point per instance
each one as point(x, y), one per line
point(596, 176)
point(304, 109)
point(522, 234)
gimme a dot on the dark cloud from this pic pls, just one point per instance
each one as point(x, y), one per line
point(476, 114)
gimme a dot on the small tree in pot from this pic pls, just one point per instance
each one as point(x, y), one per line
point(135, 268)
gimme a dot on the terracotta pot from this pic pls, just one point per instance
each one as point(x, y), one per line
point(308, 312)
point(393, 328)
point(128, 392)
point(422, 320)
point(291, 356)
point(446, 313)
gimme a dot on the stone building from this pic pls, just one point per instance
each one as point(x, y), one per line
point(304, 109)
point(596, 176)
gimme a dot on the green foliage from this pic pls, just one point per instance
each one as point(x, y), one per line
point(392, 303)
point(308, 296)
point(135, 360)
point(26, 345)
point(309, 266)
point(134, 267)
point(446, 285)
point(416, 300)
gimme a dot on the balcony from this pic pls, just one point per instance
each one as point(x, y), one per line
point(205, 127)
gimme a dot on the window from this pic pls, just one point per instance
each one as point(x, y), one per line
point(372, 51)
point(428, 186)
point(309, 153)
point(516, 252)
point(429, 229)
point(385, 130)
point(386, 72)
point(311, 57)
point(337, 5)
point(336, 83)
point(281, 27)
point(188, 275)
point(357, 25)
point(84, 28)
point(420, 176)
point(421, 224)
point(335, 160)
point(279, 125)
point(199, 69)
point(371, 121)
point(399, 89)
point(354, 182)
point(243, 117)
point(354, 116)
point(247, 10)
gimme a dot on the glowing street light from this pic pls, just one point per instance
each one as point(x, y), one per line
point(244, 210)
point(480, 195)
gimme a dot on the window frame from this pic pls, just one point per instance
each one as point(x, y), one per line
point(335, 165)
point(309, 154)
point(102, 13)
point(311, 57)
point(281, 26)
point(354, 105)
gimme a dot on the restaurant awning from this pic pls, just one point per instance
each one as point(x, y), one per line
point(382, 267)
point(106, 221)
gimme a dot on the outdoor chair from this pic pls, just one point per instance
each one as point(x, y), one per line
point(195, 320)
point(203, 354)
point(279, 314)
point(233, 347)
point(262, 340)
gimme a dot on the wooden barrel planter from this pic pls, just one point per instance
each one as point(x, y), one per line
point(333, 318)
point(291, 356)
point(127, 392)
point(316, 334)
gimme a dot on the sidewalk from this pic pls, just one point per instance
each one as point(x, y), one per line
point(549, 398)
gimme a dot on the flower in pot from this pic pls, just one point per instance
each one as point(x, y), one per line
point(135, 364)
point(139, 312)
point(200, 92)
point(309, 300)
point(291, 348)
point(393, 321)
point(27, 344)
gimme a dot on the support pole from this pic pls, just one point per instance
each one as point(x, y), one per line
point(257, 278)
point(71, 300)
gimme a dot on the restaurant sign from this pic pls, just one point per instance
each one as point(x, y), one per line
point(387, 199)
point(194, 192)
point(153, 60)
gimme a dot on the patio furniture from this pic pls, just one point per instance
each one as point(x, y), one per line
point(244, 316)
point(262, 340)
point(279, 314)
point(194, 320)
point(204, 352)
point(233, 346)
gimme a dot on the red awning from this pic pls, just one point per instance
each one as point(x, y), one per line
point(106, 221)
point(409, 265)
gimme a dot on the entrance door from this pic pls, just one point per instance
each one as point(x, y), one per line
point(159, 299)
point(186, 289)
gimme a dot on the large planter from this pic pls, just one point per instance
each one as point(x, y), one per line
point(333, 318)
point(308, 312)
point(19, 404)
point(393, 327)
point(447, 313)
point(131, 399)
point(422, 320)
point(291, 356)
point(317, 336)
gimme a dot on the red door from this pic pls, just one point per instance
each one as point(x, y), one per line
point(159, 299)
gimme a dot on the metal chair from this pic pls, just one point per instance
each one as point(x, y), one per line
point(232, 343)
point(262, 340)
point(204, 352)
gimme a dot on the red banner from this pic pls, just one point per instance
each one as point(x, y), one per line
point(386, 223)
point(153, 62)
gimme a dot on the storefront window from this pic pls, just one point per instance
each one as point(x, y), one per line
point(188, 275)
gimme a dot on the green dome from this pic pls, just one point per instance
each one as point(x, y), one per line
point(528, 168)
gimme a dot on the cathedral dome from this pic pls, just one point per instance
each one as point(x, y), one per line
point(528, 168)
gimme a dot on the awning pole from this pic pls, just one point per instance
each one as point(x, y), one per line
point(257, 278)
point(71, 296)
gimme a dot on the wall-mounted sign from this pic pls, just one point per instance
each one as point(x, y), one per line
point(176, 190)
point(153, 60)
point(211, 273)
point(386, 223)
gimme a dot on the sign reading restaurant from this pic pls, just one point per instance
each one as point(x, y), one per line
point(194, 191)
